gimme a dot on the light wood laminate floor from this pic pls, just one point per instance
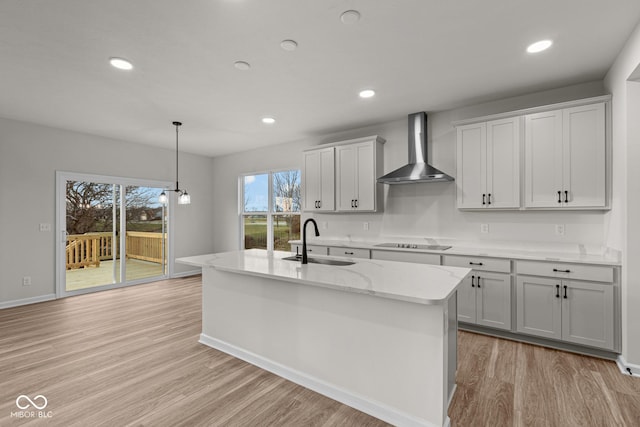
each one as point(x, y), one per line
point(130, 356)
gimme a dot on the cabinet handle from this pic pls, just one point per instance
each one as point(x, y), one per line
point(561, 271)
point(557, 291)
point(478, 282)
point(309, 250)
point(356, 203)
point(565, 291)
point(319, 203)
point(352, 201)
point(475, 263)
point(472, 279)
point(559, 196)
point(483, 199)
point(348, 253)
point(566, 196)
point(489, 198)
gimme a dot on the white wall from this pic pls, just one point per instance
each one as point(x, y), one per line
point(419, 210)
point(29, 157)
point(622, 223)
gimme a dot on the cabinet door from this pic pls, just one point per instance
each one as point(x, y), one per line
point(365, 177)
point(543, 159)
point(327, 180)
point(347, 174)
point(587, 313)
point(584, 156)
point(493, 300)
point(471, 164)
point(311, 180)
point(503, 163)
point(538, 307)
point(467, 300)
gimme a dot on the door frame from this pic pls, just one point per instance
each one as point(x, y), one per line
point(61, 226)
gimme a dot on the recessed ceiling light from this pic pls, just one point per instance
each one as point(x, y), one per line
point(268, 120)
point(539, 46)
point(242, 65)
point(121, 64)
point(350, 17)
point(289, 45)
point(367, 93)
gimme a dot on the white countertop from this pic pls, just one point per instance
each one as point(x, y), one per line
point(418, 283)
point(580, 257)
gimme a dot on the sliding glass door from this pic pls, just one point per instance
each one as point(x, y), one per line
point(113, 232)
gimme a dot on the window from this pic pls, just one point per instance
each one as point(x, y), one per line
point(270, 209)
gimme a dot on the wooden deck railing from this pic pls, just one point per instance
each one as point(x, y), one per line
point(87, 250)
point(145, 246)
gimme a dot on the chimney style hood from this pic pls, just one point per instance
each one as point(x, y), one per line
point(417, 170)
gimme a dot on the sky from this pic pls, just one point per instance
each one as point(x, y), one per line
point(256, 191)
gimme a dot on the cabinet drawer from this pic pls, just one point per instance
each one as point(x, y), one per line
point(416, 257)
point(479, 263)
point(311, 249)
point(596, 273)
point(349, 252)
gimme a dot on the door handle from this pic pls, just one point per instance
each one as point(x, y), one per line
point(348, 253)
point(483, 199)
point(356, 203)
point(557, 291)
point(561, 271)
point(489, 198)
point(566, 196)
point(472, 279)
point(565, 292)
point(478, 282)
point(475, 263)
point(319, 204)
point(352, 203)
point(559, 196)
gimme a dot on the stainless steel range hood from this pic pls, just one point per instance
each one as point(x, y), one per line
point(417, 170)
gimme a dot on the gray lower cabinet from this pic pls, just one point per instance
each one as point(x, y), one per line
point(569, 310)
point(485, 299)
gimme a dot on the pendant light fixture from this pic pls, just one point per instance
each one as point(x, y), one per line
point(183, 197)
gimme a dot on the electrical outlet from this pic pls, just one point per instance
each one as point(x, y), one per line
point(559, 229)
point(484, 228)
point(26, 281)
point(45, 227)
point(365, 226)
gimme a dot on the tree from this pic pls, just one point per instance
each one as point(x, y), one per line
point(90, 205)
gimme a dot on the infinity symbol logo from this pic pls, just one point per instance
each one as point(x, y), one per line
point(22, 398)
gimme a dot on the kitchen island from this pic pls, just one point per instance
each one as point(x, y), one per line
point(379, 336)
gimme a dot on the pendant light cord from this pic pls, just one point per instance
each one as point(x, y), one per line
point(177, 125)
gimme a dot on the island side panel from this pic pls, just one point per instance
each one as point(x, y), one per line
point(391, 353)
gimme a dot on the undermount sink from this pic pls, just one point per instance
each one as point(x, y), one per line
point(320, 260)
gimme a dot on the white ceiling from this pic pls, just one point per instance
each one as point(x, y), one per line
point(419, 55)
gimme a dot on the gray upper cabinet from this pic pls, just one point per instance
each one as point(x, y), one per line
point(359, 163)
point(550, 157)
point(342, 176)
point(488, 165)
point(565, 158)
point(319, 180)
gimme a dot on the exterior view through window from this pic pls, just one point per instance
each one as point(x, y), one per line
point(94, 229)
point(270, 209)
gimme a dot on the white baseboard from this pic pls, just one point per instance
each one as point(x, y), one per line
point(187, 273)
point(25, 301)
point(627, 368)
point(361, 403)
